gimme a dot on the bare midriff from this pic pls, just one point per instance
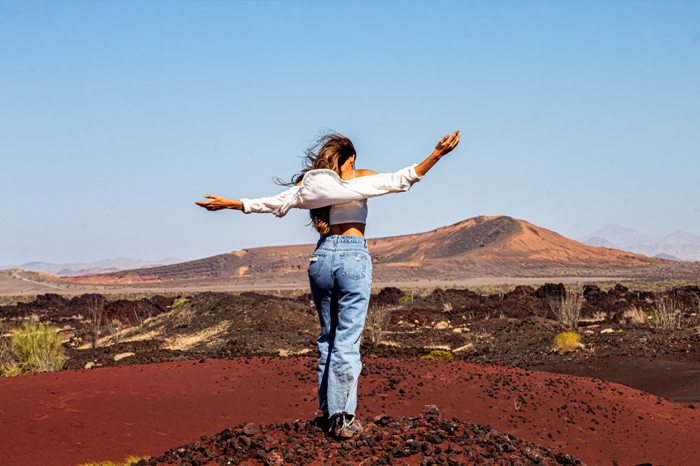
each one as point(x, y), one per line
point(350, 229)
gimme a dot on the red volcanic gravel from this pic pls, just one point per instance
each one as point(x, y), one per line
point(75, 416)
point(423, 440)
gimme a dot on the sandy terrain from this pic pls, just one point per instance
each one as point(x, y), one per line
point(107, 413)
point(23, 284)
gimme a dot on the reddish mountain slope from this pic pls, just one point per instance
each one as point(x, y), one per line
point(497, 245)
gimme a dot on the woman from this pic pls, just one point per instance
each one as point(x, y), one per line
point(340, 268)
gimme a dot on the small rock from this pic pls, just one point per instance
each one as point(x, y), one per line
point(274, 458)
point(120, 356)
point(89, 364)
point(442, 325)
point(251, 429)
point(245, 441)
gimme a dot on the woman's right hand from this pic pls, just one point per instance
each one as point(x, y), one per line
point(446, 144)
point(216, 203)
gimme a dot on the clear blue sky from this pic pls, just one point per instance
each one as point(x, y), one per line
point(115, 117)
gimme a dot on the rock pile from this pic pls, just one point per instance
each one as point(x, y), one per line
point(428, 439)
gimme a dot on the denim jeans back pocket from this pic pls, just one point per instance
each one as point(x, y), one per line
point(315, 264)
point(354, 264)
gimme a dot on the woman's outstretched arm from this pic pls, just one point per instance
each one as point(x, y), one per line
point(270, 204)
point(443, 147)
point(371, 183)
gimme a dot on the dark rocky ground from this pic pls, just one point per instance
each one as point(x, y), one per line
point(428, 439)
point(514, 328)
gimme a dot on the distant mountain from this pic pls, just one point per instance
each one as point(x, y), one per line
point(476, 247)
point(92, 268)
point(600, 242)
point(679, 245)
point(617, 236)
point(667, 257)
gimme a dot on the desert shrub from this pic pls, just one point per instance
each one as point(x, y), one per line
point(96, 307)
point(7, 357)
point(128, 461)
point(36, 348)
point(566, 341)
point(567, 308)
point(113, 328)
point(407, 298)
point(665, 313)
point(438, 355)
point(178, 302)
point(695, 304)
point(634, 316)
point(376, 323)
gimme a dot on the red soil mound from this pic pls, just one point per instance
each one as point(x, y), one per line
point(75, 416)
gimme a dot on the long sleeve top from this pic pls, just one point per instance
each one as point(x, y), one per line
point(323, 187)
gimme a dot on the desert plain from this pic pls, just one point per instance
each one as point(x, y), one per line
point(489, 341)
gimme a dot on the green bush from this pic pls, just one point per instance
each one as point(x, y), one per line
point(178, 302)
point(438, 355)
point(407, 298)
point(36, 348)
point(566, 342)
point(129, 461)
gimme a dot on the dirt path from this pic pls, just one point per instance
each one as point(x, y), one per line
point(71, 417)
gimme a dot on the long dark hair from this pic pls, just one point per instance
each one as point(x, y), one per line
point(330, 150)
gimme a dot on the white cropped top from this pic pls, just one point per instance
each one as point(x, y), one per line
point(348, 212)
point(323, 187)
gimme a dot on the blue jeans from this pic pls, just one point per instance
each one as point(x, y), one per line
point(340, 274)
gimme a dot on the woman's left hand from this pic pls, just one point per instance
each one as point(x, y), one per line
point(446, 144)
point(216, 203)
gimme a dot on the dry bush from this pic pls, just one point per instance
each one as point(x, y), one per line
point(96, 307)
point(666, 314)
point(7, 357)
point(114, 327)
point(598, 316)
point(376, 322)
point(36, 348)
point(695, 304)
point(567, 308)
point(634, 316)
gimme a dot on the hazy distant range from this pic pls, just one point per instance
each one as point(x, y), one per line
point(91, 268)
point(679, 245)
